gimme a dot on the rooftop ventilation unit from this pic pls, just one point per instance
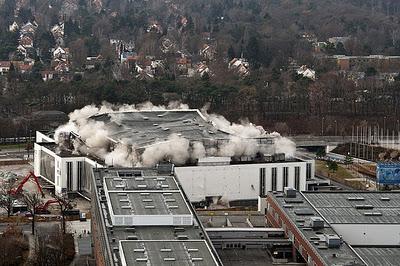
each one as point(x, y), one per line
point(147, 200)
point(292, 200)
point(304, 211)
point(278, 157)
point(355, 199)
point(289, 192)
point(316, 223)
point(333, 241)
point(169, 200)
point(372, 213)
point(268, 158)
point(364, 207)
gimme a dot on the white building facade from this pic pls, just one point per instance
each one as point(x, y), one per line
point(66, 173)
point(243, 181)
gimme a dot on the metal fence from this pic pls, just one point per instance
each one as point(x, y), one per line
point(17, 140)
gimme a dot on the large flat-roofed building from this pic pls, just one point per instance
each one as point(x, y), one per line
point(365, 223)
point(215, 175)
point(144, 236)
point(362, 218)
point(314, 240)
point(379, 256)
point(165, 252)
point(144, 128)
point(134, 198)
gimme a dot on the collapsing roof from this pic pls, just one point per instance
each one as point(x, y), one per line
point(126, 136)
point(147, 127)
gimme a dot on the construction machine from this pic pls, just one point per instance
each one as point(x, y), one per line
point(17, 191)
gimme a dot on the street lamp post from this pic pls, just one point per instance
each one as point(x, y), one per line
point(322, 126)
point(384, 125)
point(29, 142)
point(335, 128)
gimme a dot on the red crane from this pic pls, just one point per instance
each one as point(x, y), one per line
point(18, 190)
point(42, 209)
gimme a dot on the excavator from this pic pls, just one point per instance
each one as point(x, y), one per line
point(17, 191)
point(42, 209)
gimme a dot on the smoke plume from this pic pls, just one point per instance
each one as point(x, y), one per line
point(94, 138)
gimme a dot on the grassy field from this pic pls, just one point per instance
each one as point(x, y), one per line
point(21, 146)
point(342, 175)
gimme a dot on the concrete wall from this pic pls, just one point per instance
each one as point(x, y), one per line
point(369, 234)
point(235, 182)
point(149, 220)
point(40, 137)
point(61, 181)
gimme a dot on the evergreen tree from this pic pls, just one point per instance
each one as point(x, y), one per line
point(231, 53)
point(348, 160)
point(252, 51)
point(332, 166)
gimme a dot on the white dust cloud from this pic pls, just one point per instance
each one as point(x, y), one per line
point(94, 138)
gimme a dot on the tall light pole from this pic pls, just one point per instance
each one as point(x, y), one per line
point(29, 142)
point(322, 126)
point(335, 128)
point(384, 125)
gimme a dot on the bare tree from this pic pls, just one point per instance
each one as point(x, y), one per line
point(6, 198)
point(32, 201)
point(79, 52)
point(53, 247)
point(65, 204)
point(13, 245)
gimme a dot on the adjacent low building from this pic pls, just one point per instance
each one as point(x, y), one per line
point(227, 180)
point(136, 199)
point(361, 218)
point(314, 240)
point(144, 235)
point(339, 228)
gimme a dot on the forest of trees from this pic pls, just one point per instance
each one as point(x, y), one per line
point(267, 33)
